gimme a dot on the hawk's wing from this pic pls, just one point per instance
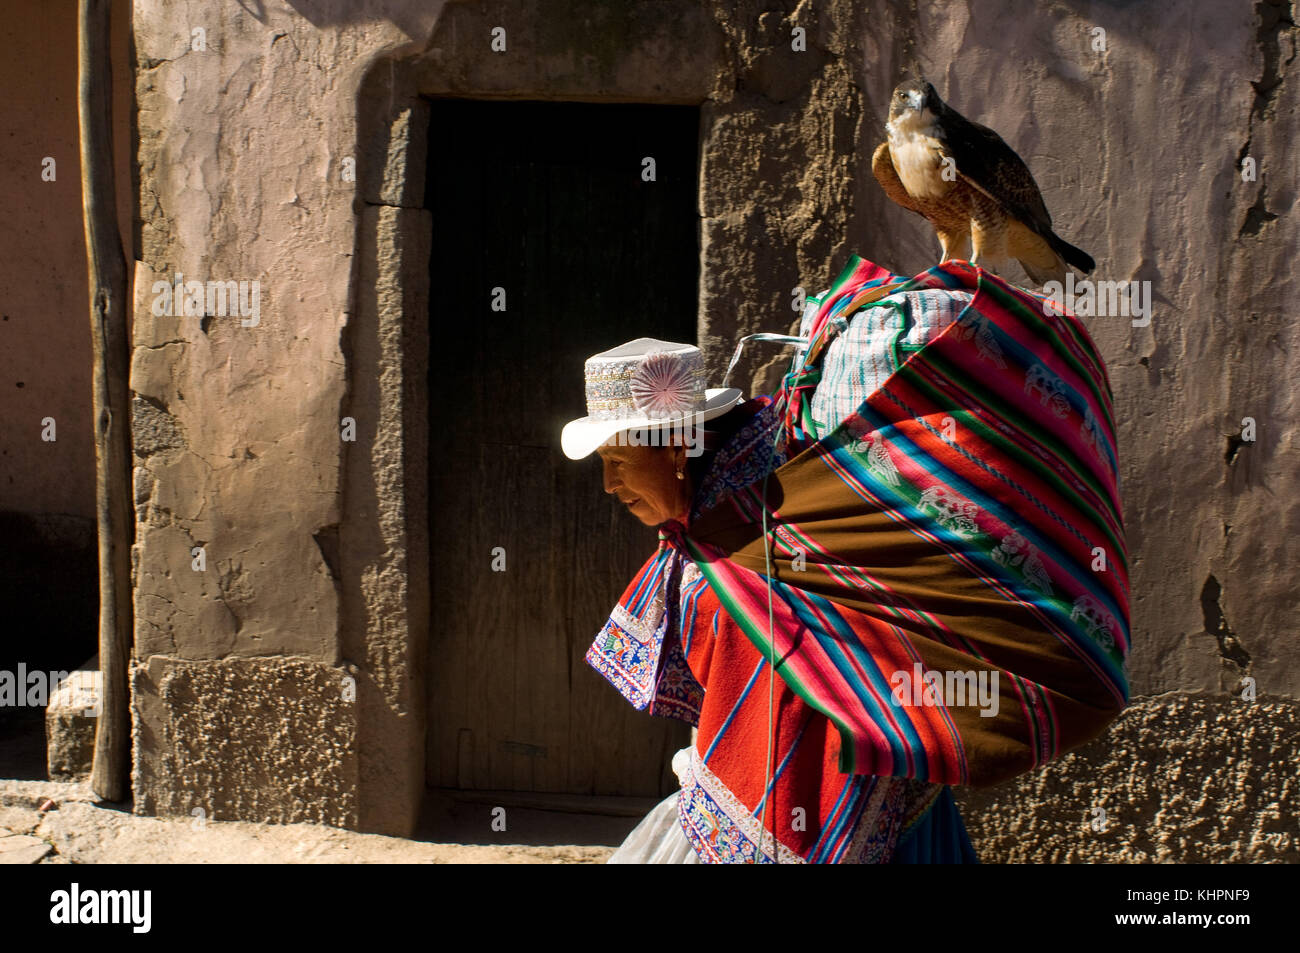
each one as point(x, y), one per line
point(994, 168)
point(882, 166)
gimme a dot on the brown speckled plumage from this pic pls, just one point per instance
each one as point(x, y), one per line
point(970, 185)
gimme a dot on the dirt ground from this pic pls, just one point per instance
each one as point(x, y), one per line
point(453, 828)
point(458, 829)
point(82, 830)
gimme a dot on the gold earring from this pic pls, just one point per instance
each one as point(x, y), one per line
point(680, 475)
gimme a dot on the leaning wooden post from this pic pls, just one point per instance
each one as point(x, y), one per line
point(106, 270)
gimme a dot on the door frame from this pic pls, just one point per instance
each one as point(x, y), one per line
point(383, 540)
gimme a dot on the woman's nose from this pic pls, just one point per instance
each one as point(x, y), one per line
point(607, 475)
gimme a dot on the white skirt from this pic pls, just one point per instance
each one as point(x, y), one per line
point(659, 838)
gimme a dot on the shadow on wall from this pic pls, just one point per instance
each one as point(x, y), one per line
point(415, 20)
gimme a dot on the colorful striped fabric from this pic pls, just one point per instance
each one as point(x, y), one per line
point(963, 525)
point(949, 585)
point(671, 648)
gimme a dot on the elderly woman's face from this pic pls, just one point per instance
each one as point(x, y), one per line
point(645, 478)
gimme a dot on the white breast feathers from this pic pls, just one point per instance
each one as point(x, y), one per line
point(918, 155)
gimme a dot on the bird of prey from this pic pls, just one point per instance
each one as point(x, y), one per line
point(970, 185)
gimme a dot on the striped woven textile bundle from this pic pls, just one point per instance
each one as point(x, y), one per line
point(949, 569)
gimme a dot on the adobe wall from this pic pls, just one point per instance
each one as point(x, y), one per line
point(314, 549)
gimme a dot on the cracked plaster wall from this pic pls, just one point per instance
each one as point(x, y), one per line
point(1137, 150)
point(237, 429)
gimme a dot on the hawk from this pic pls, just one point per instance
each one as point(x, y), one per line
point(970, 185)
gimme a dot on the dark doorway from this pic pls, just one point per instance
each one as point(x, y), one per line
point(548, 202)
point(49, 601)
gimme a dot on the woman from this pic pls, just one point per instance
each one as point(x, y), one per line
point(857, 554)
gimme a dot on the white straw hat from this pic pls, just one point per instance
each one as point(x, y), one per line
point(644, 384)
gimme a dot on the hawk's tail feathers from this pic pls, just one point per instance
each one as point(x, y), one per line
point(1035, 253)
point(1074, 256)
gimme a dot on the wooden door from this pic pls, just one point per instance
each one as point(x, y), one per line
point(546, 201)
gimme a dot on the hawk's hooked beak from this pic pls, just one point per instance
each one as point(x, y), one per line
point(915, 100)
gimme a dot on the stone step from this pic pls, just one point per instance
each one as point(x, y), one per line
point(22, 848)
point(70, 719)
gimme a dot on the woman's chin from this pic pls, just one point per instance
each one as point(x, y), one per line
point(643, 514)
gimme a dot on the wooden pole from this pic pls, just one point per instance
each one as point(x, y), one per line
point(106, 271)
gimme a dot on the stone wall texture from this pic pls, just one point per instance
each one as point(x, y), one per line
point(311, 558)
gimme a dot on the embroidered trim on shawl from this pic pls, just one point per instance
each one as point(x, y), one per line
point(626, 652)
point(877, 831)
point(722, 830)
point(747, 457)
point(718, 825)
point(639, 649)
